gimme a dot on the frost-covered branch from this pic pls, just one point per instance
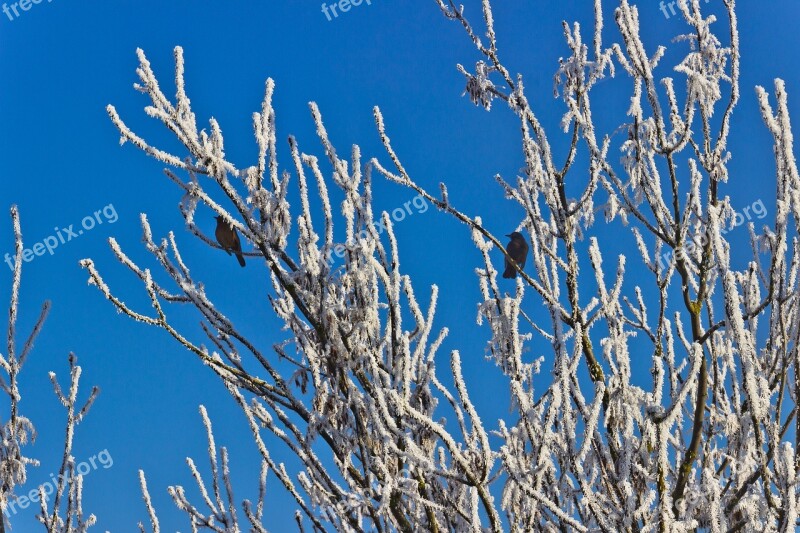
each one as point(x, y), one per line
point(362, 383)
point(352, 391)
point(17, 430)
point(70, 481)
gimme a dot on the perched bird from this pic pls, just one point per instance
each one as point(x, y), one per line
point(228, 239)
point(518, 250)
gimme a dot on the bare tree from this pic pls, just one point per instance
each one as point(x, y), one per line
point(19, 430)
point(68, 488)
point(703, 444)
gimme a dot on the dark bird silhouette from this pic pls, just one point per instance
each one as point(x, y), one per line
point(229, 239)
point(518, 250)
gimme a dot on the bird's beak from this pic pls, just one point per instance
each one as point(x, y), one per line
point(509, 235)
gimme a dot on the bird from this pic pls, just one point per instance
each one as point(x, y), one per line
point(518, 251)
point(229, 239)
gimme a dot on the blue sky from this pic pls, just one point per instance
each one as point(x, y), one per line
point(62, 62)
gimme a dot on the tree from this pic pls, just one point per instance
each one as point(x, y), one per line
point(65, 490)
point(704, 444)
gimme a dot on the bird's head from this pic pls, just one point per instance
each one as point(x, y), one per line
point(218, 218)
point(515, 235)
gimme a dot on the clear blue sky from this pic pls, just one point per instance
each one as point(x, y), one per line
point(62, 62)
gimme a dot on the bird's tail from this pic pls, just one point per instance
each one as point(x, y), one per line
point(510, 272)
point(240, 258)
